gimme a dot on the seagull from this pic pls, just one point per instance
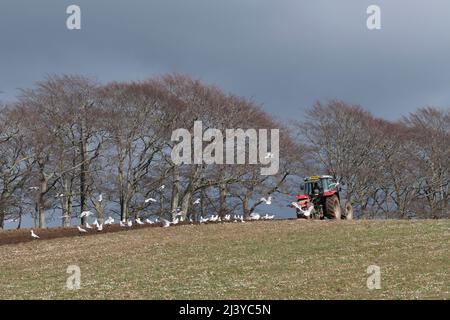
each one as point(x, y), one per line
point(121, 224)
point(191, 220)
point(81, 230)
point(88, 226)
point(100, 227)
point(109, 221)
point(255, 216)
point(197, 201)
point(86, 214)
point(161, 188)
point(268, 201)
point(166, 223)
point(214, 218)
point(149, 221)
point(227, 217)
point(149, 199)
point(100, 198)
point(203, 220)
point(130, 223)
point(138, 221)
point(306, 212)
point(175, 221)
point(34, 235)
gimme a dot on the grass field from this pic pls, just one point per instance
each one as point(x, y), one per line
point(259, 260)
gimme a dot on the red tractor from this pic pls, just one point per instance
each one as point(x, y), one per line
point(320, 199)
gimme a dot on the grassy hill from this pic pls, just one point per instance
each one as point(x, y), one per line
point(259, 260)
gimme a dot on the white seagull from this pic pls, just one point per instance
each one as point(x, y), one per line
point(100, 227)
point(86, 214)
point(138, 221)
point(149, 200)
point(130, 223)
point(227, 217)
point(268, 201)
point(121, 223)
point(306, 212)
point(255, 216)
point(34, 235)
point(109, 221)
point(203, 220)
point(100, 198)
point(88, 226)
point(149, 221)
point(197, 201)
point(81, 230)
point(166, 223)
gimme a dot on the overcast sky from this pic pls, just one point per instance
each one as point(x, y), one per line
point(286, 54)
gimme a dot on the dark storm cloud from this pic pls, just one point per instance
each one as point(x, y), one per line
point(285, 54)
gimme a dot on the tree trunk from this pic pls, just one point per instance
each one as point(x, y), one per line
point(83, 176)
point(175, 190)
point(222, 199)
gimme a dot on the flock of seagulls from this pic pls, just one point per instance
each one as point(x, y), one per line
point(179, 217)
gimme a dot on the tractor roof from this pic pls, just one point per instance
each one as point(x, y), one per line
point(315, 178)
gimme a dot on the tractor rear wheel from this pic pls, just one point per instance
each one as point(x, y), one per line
point(333, 207)
point(348, 211)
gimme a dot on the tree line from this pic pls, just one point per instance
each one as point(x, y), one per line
point(71, 144)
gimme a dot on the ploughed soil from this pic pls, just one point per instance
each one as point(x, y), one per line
point(24, 235)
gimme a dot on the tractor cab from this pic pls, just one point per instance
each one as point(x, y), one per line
point(315, 185)
point(322, 192)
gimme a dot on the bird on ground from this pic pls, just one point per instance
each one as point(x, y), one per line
point(203, 220)
point(255, 216)
point(149, 221)
point(268, 201)
point(138, 221)
point(81, 230)
point(100, 227)
point(86, 214)
point(165, 223)
point(149, 200)
point(227, 217)
point(197, 201)
point(191, 220)
point(100, 198)
point(214, 218)
point(122, 224)
point(109, 221)
point(267, 217)
point(34, 235)
point(88, 226)
point(130, 223)
point(156, 220)
point(176, 220)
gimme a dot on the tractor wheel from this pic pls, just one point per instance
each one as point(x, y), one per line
point(333, 207)
point(348, 211)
